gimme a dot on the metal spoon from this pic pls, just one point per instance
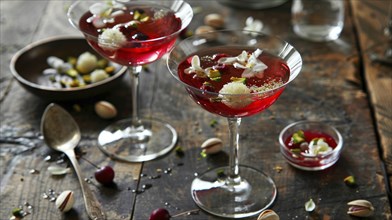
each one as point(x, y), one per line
point(61, 133)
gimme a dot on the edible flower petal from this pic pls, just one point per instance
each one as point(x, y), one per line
point(195, 67)
point(252, 25)
point(318, 147)
point(250, 63)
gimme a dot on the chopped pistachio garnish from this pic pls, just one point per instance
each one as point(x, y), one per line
point(179, 151)
point(295, 151)
point(212, 73)
point(238, 79)
point(72, 73)
point(298, 137)
point(213, 122)
point(350, 181)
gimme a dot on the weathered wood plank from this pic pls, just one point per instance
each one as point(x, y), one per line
point(371, 17)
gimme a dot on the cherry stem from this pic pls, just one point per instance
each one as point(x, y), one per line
point(90, 162)
point(191, 212)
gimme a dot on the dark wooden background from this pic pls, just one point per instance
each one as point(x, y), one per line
point(338, 85)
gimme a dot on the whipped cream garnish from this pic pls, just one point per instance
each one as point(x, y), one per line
point(111, 39)
point(234, 95)
point(250, 63)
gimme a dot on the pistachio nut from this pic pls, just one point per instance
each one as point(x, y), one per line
point(105, 110)
point(212, 145)
point(65, 201)
point(360, 208)
point(268, 214)
point(204, 29)
point(214, 20)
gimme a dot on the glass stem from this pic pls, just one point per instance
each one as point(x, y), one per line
point(234, 128)
point(134, 73)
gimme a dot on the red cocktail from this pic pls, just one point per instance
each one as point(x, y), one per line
point(234, 74)
point(133, 33)
point(274, 77)
point(148, 32)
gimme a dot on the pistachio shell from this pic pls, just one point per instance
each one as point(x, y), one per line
point(201, 30)
point(65, 201)
point(105, 110)
point(360, 208)
point(268, 214)
point(214, 20)
point(212, 145)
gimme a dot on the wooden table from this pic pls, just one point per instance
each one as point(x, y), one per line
point(338, 85)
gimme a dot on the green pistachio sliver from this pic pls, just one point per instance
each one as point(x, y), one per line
point(298, 137)
point(18, 212)
point(110, 69)
point(144, 18)
point(213, 122)
point(72, 60)
point(74, 83)
point(86, 78)
point(136, 15)
point(216, 79)
point(179, 151)
point(102, 63)
point(296, 150)
point(213, 74)
point(238, 79)
point(72, 73)
point(349, 181)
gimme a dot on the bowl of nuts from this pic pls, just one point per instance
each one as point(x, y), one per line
point(64, 68)
point(310, 145)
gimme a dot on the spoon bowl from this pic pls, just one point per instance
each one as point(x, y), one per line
point(60, 130)
point(62, 133)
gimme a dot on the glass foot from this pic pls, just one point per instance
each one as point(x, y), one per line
point(244, 196)
point(147, 140)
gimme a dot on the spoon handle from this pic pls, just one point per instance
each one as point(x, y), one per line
point(93, 207)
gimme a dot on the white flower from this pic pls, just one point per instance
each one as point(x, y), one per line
point(251, 64)
point(235, 95)
point(196, 68)
point(103, 12)
point(253, 25)
point(111, 39)
point(318, 147)
point(100, 8)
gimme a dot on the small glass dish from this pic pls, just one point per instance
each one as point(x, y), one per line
point(303, 158)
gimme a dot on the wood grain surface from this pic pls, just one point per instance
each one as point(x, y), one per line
point(337, 85)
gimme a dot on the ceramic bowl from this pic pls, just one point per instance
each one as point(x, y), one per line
point(300, 157)
point(28, 64)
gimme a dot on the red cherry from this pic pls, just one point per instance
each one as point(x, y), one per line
point(160, 214)
point(105, 175)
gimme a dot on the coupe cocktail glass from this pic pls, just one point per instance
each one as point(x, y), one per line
point(235, 74)
point(133, 33)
